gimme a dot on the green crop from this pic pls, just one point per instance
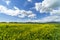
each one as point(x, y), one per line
point(29, 31)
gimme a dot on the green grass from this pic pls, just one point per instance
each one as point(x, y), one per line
point(29, 31)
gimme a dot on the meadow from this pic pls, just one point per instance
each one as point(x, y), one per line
point(13, 31)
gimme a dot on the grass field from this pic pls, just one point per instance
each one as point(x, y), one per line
point(29, 31)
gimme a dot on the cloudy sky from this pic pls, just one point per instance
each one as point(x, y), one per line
point(29, 10)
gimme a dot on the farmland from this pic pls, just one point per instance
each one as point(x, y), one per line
point(13, 31)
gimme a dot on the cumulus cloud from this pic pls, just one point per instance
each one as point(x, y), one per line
point(49, 6)
point(53, 18)
point(7, 1)
point(32, 16)
point(29, 0)
point(16, 12)
point(55, 12)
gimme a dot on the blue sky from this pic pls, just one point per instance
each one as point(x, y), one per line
point(29, 10)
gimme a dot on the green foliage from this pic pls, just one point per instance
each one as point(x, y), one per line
point(29, 31)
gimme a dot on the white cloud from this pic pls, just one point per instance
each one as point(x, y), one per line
point(16, 12)
point(49, 6)
point(32, 15)
point(7, 1)
point(52, 18)
point(22, 16)
point(29, 0)
point(55, 12)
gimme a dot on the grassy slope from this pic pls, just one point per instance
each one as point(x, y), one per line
point(29, 31)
